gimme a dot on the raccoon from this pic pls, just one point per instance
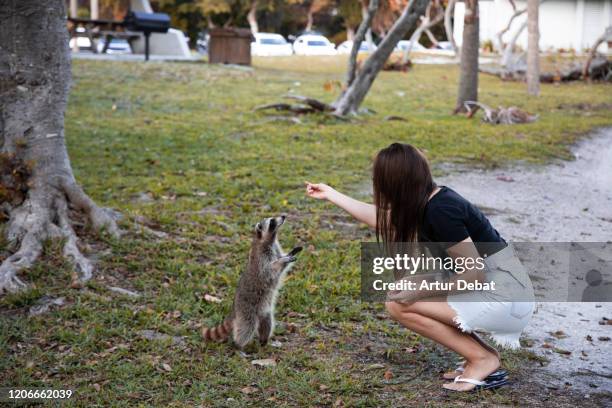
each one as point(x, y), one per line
point(253, 308)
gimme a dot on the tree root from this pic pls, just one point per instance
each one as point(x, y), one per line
point(307, 105)
point(45, 215)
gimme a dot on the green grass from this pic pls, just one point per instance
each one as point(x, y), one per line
point(186, 135)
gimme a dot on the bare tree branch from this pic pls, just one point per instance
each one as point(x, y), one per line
point(500, 34)
point(350, 100)
point(426, 23)
point(448, 13)
point(587, 65)
point(359, 37)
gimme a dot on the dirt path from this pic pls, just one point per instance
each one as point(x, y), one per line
point(566, 201)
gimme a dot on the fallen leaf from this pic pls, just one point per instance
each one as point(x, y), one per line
point(323, 387)
point(395, 118)
point(266, 362)
point(97, 387)
point(166, 367)
point(388, 375)
point(76, 284)
point(248, 390)
point(605, 321)
point(212, 299)
point(560, 334)
point(561, 351)
point(603, 338)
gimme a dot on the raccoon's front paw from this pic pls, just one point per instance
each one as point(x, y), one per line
point(287, 259)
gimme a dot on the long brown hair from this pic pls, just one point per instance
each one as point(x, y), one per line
point(402, 186)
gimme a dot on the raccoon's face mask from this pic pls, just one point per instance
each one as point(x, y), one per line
point(268, 228)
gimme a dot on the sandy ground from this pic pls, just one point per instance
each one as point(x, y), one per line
point(561, 202)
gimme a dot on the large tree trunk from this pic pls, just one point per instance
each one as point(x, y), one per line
point(252, 17)
point(533, 50)
point(468, 80)
point(350, 100)
point(359, 37)
point(34, 84)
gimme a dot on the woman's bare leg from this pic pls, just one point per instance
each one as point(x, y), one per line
point(451, 375)
point(434, 320)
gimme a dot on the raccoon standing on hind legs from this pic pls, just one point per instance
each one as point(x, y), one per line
point(253, 309)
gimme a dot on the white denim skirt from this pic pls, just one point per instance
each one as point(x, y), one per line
point(503, 313)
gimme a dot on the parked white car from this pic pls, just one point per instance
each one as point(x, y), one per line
point(445, 45)
point(270, 45)
point(312, 44)
point(347, 46)
point(404, 44)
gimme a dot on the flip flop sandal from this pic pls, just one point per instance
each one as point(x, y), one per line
point(494, 376)
point(481, 385)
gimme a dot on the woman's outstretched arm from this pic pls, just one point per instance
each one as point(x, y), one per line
point(363, 212)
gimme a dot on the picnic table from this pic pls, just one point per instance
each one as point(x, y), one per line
point(96, 29)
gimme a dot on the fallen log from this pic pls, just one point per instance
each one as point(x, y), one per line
point(600, 69)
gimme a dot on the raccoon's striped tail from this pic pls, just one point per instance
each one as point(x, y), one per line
point(218, 333)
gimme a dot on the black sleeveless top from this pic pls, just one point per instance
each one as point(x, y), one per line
point(450, 218)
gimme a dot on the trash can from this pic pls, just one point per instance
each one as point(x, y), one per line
point(230, 46)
